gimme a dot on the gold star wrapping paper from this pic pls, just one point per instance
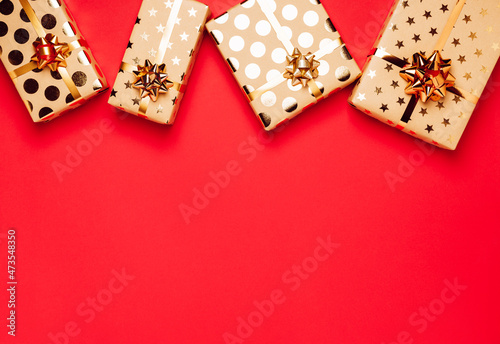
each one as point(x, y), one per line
point(258, 38)
point(72, 77)
point(416, 26)
point(167, 33)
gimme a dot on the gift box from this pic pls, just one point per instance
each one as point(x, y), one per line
point(159, 58)
point(285, 55)
point(429, 67)
point(47, 58)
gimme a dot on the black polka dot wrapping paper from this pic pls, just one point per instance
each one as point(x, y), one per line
point(159, 58)
point(429, 66)
point(47, 57)
point(285, 54)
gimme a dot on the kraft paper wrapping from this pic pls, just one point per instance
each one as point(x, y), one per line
point(417, 26)
point(46, 93)
point(167, 33)
point(255, 38)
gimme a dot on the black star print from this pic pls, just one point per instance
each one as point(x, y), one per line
point(429, 128)
point(128, 84)
point(457, 99)
point(394, 27)
point(401, 101)
point(446, 122)
point(378, 90)
point(136, 101)
point(444, 8)
point(440, 105)
point(467, 19)
point(410, 21)
point(456, 42)
point(405, 4)
point(113, 93)
point(174, 100)
point(191, 52)
point(433, 31)
point(416, 38)
point(427, 14)
point(423, 111)
point(399, 44)
point(461, 59)
point(138, 20)
point(388, 67)
point(384, 107)
point(129, 45)
point(395, 84)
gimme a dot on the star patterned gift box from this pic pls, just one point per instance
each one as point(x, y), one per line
point(285, 54)
point(429, 67)
point(47, 58)
point(159, 58)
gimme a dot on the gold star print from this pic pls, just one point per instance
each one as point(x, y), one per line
point(440, 105)
point(394, 27)
point(474, 92)
point(472, 35)
point(378, 90)
point(484, 69)
point(423, 112)
point(395, 84)
point(455, 42)
point(136, 60)
point(410, 21)
point(483, 12)
point(461, 114)
point(457, 99)
point(467, 19)
point(495, 46)
point(478, 52)
point(489, 29)
point(446, 122)
point(136, 101)
point(461, 59)
point(450, 139)
point(468, 76)
point(128, 84)
point(388, 67)
point(429, 128)
point(159, 109)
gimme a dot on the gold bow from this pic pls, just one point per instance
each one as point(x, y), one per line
point(152, 80)
point(428, 77)
point(301, 68)
point(50, 52)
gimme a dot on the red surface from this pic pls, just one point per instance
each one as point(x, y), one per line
point(322, 176)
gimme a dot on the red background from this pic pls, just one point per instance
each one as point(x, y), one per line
point(323, 175)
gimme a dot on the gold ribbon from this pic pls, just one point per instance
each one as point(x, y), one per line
point(37, 25)
point(165, 40)
point(290, 52)
point(438, 48)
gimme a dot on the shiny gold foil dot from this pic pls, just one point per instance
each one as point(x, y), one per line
point(345, 53)
point(342, 73)
point(265, 118)
point(289, 104)
point(97, 85)
point(83, 58)
point(54, 3)
point(218, 36)
point(329, 26)
point(68, 29)
point(79, 78)
point(233, 63)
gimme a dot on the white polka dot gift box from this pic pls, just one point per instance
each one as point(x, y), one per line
point(285, 54)
point(47, 58)
point(159, 58)
point(429, 66)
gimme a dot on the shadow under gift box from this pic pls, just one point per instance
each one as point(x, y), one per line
point(168, 35)
point(47, 93)
point(468, 35)
point(255, 38)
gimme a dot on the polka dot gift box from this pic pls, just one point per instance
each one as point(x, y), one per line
point(429, 66)
point(285, 54)
point(159, 58)
point(47, 58)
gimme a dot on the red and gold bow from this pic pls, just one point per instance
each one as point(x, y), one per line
point(50, 52)
point(428, 77)
point(152, 80)
point(301, 68)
